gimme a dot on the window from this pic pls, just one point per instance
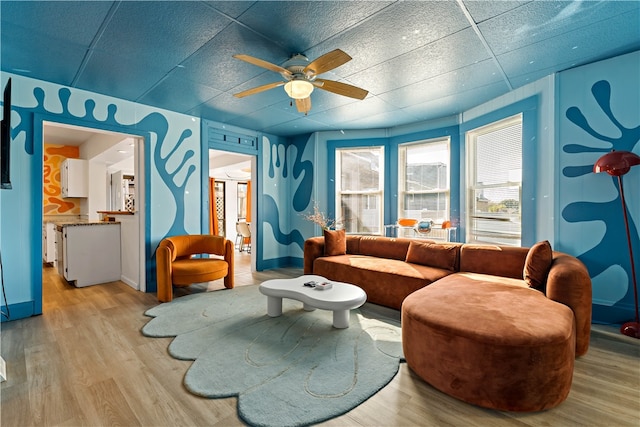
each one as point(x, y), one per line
point(424, 180)
point(359, 189)
point(494, 182)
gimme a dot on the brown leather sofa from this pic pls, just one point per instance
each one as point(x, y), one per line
point(472, 326)
point(177, 266)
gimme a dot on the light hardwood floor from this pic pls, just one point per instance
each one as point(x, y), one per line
point(85, 362)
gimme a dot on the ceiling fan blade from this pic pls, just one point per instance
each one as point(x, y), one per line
point(304, 105)
point(258, 89)
point(341, 88)
point(327, 62)
point(263, 64)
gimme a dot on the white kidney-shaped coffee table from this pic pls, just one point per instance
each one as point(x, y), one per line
point(340, 298)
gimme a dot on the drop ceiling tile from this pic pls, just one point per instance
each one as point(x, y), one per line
point(396, 30)
point(138, 77)
point(386, 119)
point(482, 10)
point(353, 111)
point(456, 104)
point(544, 20)
point(458, 81)
point(263, 118)
point(230, 8)
point(297, 127)
point(74, 21)
point(305, 24)
point(165, 32)
point(580, 46)
point(178, 95)
point(207, 112)
point(440, 57)
point(34, 55)
point(213, 65)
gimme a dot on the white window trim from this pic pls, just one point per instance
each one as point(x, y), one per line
point(379, 192)
point(472, 186)
point(401, 174)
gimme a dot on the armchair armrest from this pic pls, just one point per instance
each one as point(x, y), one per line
point(228, 257)
point(163, 264)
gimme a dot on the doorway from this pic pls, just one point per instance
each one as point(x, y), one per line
point(102, 153)
point(234, 177)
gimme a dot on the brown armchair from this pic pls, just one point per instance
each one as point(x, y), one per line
point(177, 266)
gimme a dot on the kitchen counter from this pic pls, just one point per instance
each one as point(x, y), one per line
point(61, 224)
point(87, 252)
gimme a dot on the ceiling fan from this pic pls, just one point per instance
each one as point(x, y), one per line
point(301, 77)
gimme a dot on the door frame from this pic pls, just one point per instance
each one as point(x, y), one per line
point(142, 141)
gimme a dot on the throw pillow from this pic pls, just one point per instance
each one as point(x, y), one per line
point(537, 265)
point(335, 242)
point(443, 256)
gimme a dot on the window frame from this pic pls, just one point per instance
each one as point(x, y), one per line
point(379, 193)
point(402, 164)
point(529, 209)
point(473, 185)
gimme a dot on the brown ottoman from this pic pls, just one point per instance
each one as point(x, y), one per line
point(491, 344)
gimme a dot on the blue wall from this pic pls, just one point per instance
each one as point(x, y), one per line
point(173, 152)
point(578, 211)
point(599, 110)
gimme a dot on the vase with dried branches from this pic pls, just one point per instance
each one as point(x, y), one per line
point(319, 218)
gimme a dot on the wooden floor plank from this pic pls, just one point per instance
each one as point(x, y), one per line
point(86, 362)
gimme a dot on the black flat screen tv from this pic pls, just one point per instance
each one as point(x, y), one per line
point(5, 143)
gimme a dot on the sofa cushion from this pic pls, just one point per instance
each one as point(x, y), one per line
point(537, 265)
point(384, 247)
point(335, 242)
point(505, 261)
point(434, 255)
point(386, 281)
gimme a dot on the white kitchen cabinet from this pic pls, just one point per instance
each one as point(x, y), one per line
point(49, 242)
point(90, 253)
point(74, 178)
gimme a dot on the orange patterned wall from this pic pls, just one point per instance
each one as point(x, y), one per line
point(53, 203)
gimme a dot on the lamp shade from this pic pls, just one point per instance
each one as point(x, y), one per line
point(298, 89)
point(616, 163)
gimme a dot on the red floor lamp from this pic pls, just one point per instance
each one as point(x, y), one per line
point(618, 163)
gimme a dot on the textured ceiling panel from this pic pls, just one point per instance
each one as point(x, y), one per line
point(306, 24)
point(440, 57)
point(232, 9)
point(297, 127)
point(214, 66)
point(478, 75)
point(574, 48)
point(481, 10)
point(192, 25)
point(264, 118)
point(74, 21)
point(420, 60)
point(135, 77)
point(398, 29)
point(35, 55)
point(451, 105)
point(177, 95)
point(539, 21)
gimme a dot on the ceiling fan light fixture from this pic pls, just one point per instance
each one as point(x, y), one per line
point(298, 89)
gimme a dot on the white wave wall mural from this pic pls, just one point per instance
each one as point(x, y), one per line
point(173, 181)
